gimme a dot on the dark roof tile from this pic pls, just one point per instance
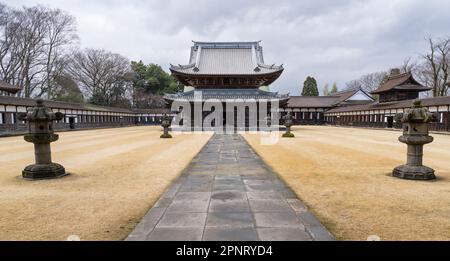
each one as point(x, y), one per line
point(312, 101)
point(336, 99)
point(222, 94)
point(404, 81)
point(17, 101)
point(436, 101)
point(4, 86)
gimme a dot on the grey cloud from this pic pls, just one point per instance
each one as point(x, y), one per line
point(331, 40)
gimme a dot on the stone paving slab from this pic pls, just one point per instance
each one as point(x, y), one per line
point(228, 193)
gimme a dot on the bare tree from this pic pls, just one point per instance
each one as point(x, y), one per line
point(61, 32)
point(444, 52)
point(326, 90)
point(102, 75)
point(28, 42)
point(372, 81)
point(32, 43)
point(408, 65)
point(145, 100)
point(434, 72)
point(368, 82)
point(353, 84)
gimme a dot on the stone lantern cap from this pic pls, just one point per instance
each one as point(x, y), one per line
point(288, 119)
point(40, 113)
point(166, 121)
point(40, 123)
point(417, 114)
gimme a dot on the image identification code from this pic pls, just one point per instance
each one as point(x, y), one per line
point(205, 252)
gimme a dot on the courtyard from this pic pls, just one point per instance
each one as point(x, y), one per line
point(116, 176)
point(343, 176)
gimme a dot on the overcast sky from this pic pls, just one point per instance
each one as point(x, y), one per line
point(334, 41)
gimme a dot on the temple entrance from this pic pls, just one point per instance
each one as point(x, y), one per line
point(232, 118)
point(233, 80)
point(390, 121)
point(72, 123)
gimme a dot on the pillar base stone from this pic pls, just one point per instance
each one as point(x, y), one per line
point(165, 136)
point(44, 171)
point(288, 135)
point(414, 172)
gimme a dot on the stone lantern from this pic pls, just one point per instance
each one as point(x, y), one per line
point(269, 121)
point(40, 132)
point(415, 135)
point(288, 124)
point(165, 123)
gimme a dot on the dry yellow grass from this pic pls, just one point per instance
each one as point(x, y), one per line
point(116, 176)
point(342, 175)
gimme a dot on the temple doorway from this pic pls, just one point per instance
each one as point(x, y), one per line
point(72, 123)
point(390, 121)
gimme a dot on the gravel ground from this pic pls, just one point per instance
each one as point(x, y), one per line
point(116, 176)
point(342, 174)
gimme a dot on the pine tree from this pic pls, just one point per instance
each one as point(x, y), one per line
point(310, 87)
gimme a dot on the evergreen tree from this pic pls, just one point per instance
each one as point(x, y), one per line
point(66, 89)
point(310, 87)
point(152, 79)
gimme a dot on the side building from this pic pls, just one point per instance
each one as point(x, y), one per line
point(77, 115)
point(7, 89)
point(348, 108)
point(310, 110)
point(396, 94)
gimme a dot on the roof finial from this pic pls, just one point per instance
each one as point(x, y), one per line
point(417, 103)
point(395, 71)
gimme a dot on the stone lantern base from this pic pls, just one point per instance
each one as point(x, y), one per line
point(288, 135)
point(165, 136)
point(44, 171)
point(414, 172)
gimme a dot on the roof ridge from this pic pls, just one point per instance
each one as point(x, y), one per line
point(399, 75)
point(349, 90)
point(181, 66)
point(327, 96)
point(273, 66)
point(437, 97)
point(63, 102)
point(226, 42)
point(7, 85)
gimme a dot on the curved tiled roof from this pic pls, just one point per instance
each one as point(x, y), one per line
point(403, 81)
point(28, 102)
point(336, 99)
point(223, 94)
point(436, 101)
point(226, 58)
point(16, 101)
point(4, 86)
point(152, 111)
point(312, 101)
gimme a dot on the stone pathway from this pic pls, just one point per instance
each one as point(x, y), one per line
point(228, 193)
